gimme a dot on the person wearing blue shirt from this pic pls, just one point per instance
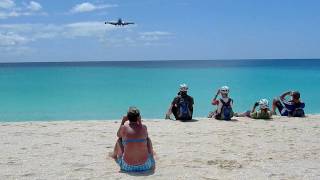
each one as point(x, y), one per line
point(291, 108)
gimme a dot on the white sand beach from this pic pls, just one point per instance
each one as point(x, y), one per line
point(282, 148)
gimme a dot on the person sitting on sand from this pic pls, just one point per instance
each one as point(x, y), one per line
point(182, 105)
point(291, 108)
point(263, 112)
point(133, 150)
point(224, 110)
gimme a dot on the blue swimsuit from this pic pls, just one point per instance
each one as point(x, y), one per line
point(148, 165)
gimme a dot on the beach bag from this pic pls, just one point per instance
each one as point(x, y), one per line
point(184, 111)
point(226, 110)
point(298, 112)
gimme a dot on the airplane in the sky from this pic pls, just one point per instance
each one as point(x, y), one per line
point(120, 22)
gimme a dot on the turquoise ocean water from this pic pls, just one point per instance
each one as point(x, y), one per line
point(104, 90)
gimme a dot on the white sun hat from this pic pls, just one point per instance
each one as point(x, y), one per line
point(264, 104)
point(224, 89)
point(183, 87)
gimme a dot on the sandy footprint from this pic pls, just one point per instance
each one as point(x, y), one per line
point(225, 164)
point(14, 163)
point(83, 169)
point(28, 175)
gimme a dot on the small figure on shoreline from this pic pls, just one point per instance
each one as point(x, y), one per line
point(224, 110)
point(290, 108)
point(133, 150)
point(263, 112)
point(182, 105)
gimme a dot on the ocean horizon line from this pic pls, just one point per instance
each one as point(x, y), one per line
point(201, 63)
point(162, 60)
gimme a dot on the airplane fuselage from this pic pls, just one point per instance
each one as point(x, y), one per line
point(120, 22)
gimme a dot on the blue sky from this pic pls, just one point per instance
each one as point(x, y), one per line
point(73, 30)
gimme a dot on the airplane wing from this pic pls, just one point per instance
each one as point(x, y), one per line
point(112, 23)
point(128, 23)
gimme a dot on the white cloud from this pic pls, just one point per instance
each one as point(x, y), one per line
point(19, 51)
point(86, 29)
point(19, 36)
point(5, 15)
point(12, 39)
point(84, 7)
point(88, 7)
point(10, 9)
point(15, 39)
point(7, 4)
point(154, 35)
point(17, 28)
point(34, 6)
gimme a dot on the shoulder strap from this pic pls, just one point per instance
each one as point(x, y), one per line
point(176, 99)
point(223, 103)
point(226, 103)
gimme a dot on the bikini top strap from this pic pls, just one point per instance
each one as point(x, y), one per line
point(133, 140)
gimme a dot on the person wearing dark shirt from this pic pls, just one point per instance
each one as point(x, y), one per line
point(182, 105)
point(291, 108)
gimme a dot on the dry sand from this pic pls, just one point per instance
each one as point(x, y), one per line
point(206, 149)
